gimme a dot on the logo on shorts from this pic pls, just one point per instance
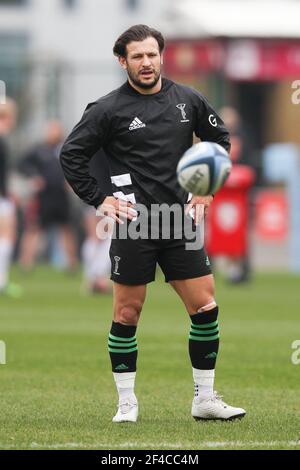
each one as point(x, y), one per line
point(117, 259)
point(207, 262)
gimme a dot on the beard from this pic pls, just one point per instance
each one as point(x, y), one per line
point(138, 82)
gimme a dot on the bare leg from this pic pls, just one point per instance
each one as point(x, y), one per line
point(195, 293)
point(29, 247)
point(95, 256)
point(7, 239)
point(69, 244)
point(128, 303)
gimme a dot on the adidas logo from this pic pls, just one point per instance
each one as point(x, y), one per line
point(121, 367)
point(211, 355)
point(136, 124)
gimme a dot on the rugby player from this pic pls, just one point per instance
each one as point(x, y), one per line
point(144, 127)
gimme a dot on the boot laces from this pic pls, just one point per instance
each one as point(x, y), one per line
point(126, 405)
point(219, 399)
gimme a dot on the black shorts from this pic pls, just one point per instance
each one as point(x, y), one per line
point(54, 209)
point(49, 217)
point(133, 262)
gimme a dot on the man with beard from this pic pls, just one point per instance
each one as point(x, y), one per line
point(144, 127)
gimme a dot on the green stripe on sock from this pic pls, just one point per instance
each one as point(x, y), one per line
point(204, 338)
point(205, 332)
point(122, 345)
point(205, 325)
point(122, 350)
point(117, 338)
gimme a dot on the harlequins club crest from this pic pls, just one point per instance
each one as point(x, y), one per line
point(117, 259)
point(182, 106)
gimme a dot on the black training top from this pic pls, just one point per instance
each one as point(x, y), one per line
point(143, 136)
point(43, 160)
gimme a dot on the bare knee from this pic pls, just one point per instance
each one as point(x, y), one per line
point(128, 313)
point(204, 302)
point(207, 299)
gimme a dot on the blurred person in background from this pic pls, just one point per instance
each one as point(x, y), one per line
point(49, 207)
point(233, 122)
point(8, 114)
point(95, 248)
point(238, 269)
point(95, 256)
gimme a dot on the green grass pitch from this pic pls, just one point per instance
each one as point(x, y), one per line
point(57, 389)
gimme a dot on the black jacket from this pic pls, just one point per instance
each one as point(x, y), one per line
point(42, 160)
point(143, 136)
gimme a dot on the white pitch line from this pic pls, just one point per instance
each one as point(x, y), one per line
point(153, 445)
point(253, 444)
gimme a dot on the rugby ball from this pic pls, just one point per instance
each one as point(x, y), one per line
point(203, 168)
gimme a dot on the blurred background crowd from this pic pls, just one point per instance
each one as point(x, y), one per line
point(244, 55)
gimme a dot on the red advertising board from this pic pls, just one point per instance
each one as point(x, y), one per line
point(271, 215)
point(238, 59)
point(188, 57)
point(266, 59)
point(227, 221)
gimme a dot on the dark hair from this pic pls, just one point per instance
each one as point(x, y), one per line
point(138, 32)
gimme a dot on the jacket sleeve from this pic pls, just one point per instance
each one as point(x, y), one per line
point(87, 137)
point(209, 126)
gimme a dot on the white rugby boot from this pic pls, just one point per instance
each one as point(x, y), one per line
point(127, 410)
point(214, 408)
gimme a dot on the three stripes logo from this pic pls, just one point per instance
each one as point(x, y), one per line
point(136, 124)
point(212, 355)
point(122, 367)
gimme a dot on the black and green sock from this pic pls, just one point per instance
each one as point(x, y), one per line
point(122, 347)
point(204, 339)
